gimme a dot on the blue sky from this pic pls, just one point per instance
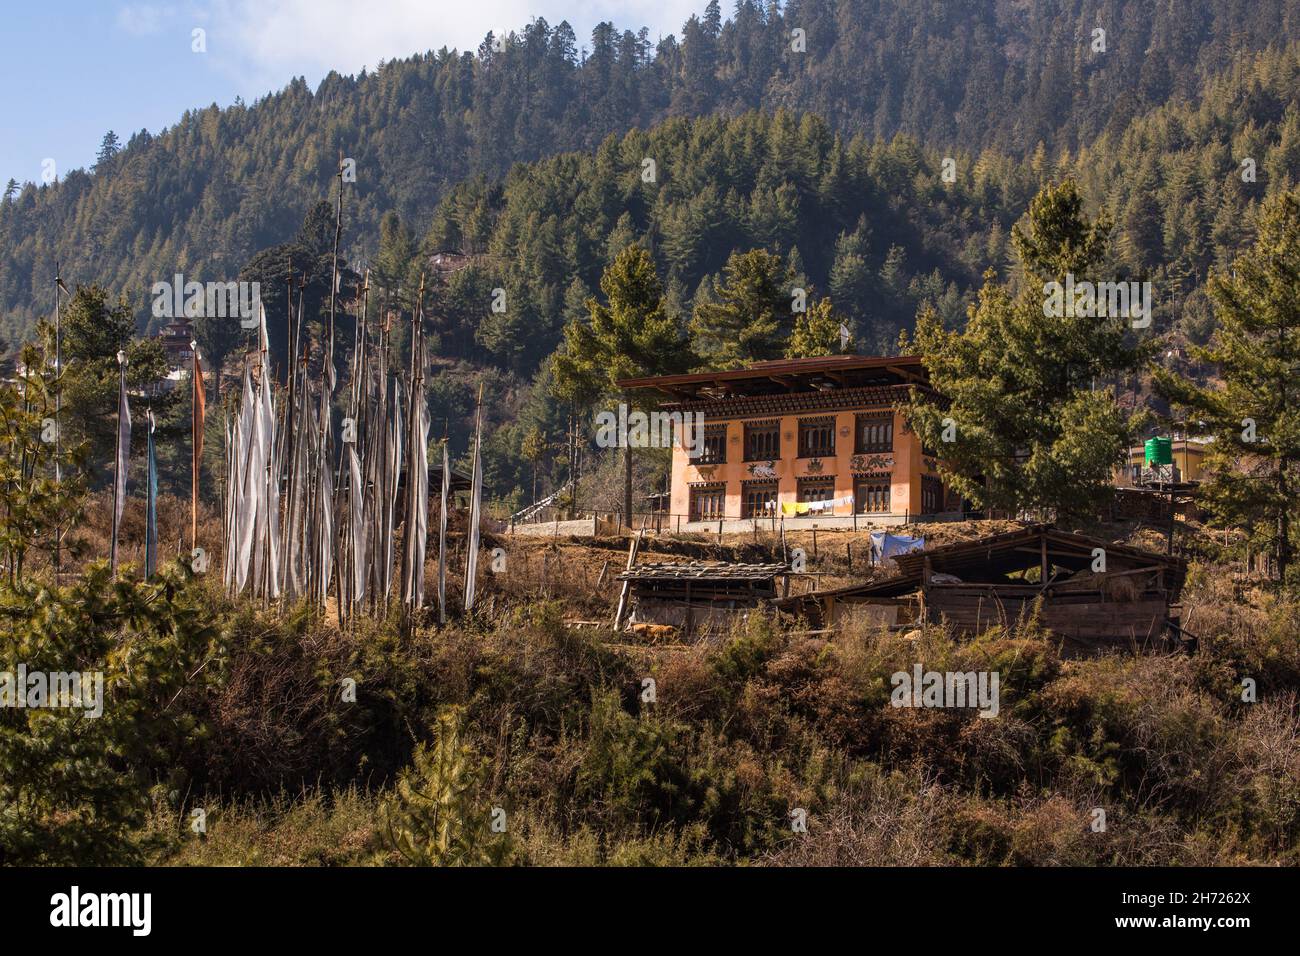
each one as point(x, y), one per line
point(73, 69)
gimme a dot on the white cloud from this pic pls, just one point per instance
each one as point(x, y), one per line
point(268, 41)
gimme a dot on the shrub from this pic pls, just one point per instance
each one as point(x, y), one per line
point(437, 814)
point(76, 788)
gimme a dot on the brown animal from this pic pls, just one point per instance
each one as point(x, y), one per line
point(654, 631)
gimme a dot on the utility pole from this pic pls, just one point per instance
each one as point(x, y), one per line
point(627, 473)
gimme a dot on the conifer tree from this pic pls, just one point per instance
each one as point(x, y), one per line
point(94, 330)
point(850, 276)
point(393, 263)
point(818, 332)
point(1027, 422)
point(628, 335)
point(109, 147)
point(75, 780)
point(532, 447)
point(436, 815)
point(752, 319)
point(1253, 413)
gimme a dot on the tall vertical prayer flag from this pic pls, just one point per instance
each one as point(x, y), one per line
point(442, 537)
point(198, 415)
point(475, 505)
point(151, 509)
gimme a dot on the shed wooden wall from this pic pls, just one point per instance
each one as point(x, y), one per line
point(1084, 618)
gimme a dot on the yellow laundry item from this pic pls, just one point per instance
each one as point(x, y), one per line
point(787, 508)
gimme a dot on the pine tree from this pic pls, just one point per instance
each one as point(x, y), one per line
point(1143, 242)
point(621, 238)
point(1254, 415)
point(396, 253)
point(75, 783)
point(575, 300)
point(436, 815)
point(818, 331)
point(752, 319)
point(850, 278)
point(713, 19)
point(109, 147)
point(95, 329)
point(1027, 423)
point(628, 335)
point(33, 507)
point(507, 335)
point(532, 448)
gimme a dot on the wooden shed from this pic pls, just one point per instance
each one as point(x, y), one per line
point(893, 602)
point(699, 596)
point(1130, 601)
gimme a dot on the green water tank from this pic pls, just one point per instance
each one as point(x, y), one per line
point(1160, 451)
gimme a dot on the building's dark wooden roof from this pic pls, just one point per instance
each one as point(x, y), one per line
point(822, 376)
point(747, 406)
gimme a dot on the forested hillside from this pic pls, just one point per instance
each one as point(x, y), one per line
point(870, 224)
point(203, 196)
point(873, 224)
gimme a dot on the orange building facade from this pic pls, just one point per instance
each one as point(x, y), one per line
point(820, 439)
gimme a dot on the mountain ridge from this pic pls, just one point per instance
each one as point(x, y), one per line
point(206, 194)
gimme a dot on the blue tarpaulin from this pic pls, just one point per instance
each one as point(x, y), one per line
point(885, 545)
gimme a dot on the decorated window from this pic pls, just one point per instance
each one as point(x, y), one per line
point(758, 499)
point(708, 502)
point(931, 495)
point(714, 451)
point(871, 494)
point(875, 434)
point(816, 489)
point(816, 437)
point(762, 441)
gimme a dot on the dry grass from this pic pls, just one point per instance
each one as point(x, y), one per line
point(743, 730)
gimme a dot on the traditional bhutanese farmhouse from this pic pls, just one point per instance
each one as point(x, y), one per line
point(1129, 601)
point(820, 439)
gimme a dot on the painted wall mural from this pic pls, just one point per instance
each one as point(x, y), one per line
point(871, 463)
